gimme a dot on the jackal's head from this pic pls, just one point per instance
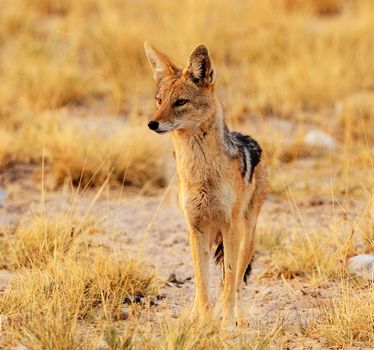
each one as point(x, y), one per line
point(184, 97)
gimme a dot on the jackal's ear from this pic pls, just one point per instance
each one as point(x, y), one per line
point(161, 64)
point(200, 66)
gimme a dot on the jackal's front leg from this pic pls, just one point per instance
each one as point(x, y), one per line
point(199, 242)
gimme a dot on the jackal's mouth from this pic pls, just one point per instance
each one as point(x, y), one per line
point(162, 129)
point(155, 126)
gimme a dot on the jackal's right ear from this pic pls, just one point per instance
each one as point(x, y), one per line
point(162, 65)
point(200, 66)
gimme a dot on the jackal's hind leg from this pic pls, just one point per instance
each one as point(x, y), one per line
point(245, 258)
point(248, 232)
point(231, 248)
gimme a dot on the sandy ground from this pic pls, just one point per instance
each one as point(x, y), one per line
point(154, 228)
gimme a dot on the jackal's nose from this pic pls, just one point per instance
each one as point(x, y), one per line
point(153, 125)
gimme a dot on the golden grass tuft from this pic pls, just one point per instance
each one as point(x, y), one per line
point(182, 334)
point(6, 140)
point(319, 254)
point(347, 319)
point(269, 237)
point(131, 156)
point(126, 154)
point(39, 239)
point(365, 226)
point(355, 117)
point(48, 306)
point(185, 335)
point(65, 282)
point(79, 284)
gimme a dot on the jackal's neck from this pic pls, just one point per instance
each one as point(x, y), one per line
point(196, 151)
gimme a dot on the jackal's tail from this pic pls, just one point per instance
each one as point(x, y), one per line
point(218, 258)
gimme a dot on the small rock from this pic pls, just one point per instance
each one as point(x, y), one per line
point(319, 139)
point(161, 296)
point(5, 277)
point(3, 195)
point(172, 278)
point(139, 299)
point(123, 315)
point(102, 345)
point(310, 292)
point(20, 346)
point(152, 303)
point(173, 281)
point(127, 300)
point(136, 299)
point(362, 266)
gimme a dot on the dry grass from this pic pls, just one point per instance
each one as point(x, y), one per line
point(69, 294)
point(126, 154)
point(365, 226)
point(182, 334)
point(64, 55)
point(79, 285)
point(129, 156)
point(347, 320)
point(356, 118)
point(40, 239)
point(318, 254)
point(49, 308)
point(309, 254)
point(205, 334)
point(345, 317)
point(67, 283)
point(57, 55)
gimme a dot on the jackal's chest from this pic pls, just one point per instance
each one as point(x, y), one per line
point(201, 202)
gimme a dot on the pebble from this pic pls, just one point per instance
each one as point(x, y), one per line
point(20, 346)
point(102, 345)
point(319, 139)
point(362, 266)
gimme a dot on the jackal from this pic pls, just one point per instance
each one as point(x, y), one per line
point(222, 179)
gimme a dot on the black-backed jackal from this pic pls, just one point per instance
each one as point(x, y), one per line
point(222, 179)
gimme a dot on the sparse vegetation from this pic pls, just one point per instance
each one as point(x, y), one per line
point(347, 319)
point(128, 156)
point(40, 239)
point(57, 55)
point(304, 253)
point(309, 254)
point(68, 282)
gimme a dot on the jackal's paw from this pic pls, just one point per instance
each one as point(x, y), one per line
point(228, 326)
point(242, 322)
point(201, 314)
point(194, 312)
point(193, 315)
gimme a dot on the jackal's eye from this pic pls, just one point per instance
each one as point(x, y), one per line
point(180, 102)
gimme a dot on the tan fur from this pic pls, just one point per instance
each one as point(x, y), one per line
point(214, 196)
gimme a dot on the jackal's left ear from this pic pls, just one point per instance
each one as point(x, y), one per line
point(161, 64)
point(200, 66)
